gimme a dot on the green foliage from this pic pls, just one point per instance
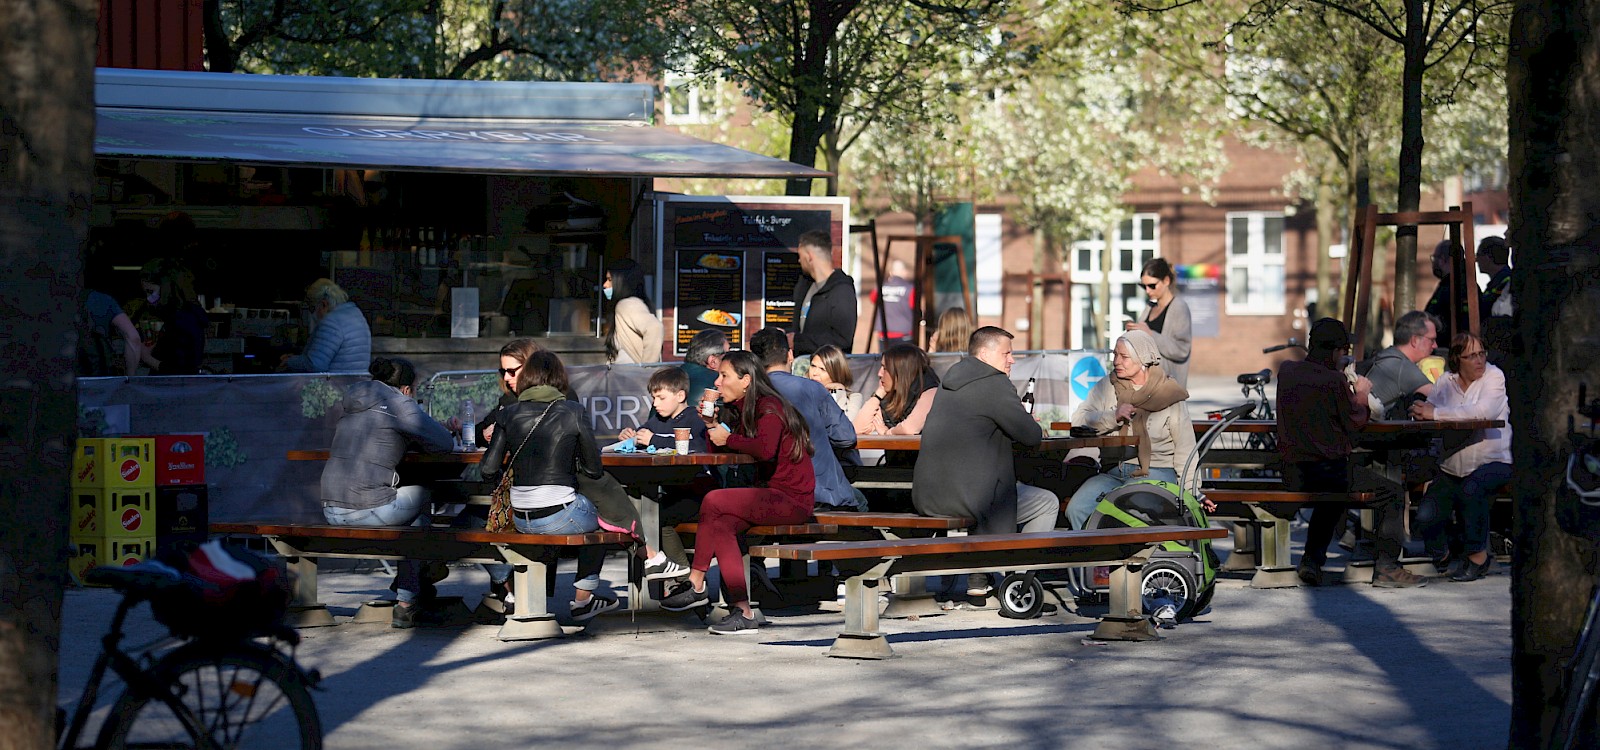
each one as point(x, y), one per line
point(570, 40)
point(443, 397)
point(222, 450)
point(317, 396)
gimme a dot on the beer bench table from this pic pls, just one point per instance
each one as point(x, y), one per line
point(529, 554)
point(1122, 549)
point(1266, 510)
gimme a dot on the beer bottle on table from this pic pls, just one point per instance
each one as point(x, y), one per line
point(1027, 396)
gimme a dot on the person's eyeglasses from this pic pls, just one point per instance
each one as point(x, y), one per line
point(1150, 286)
point(509, 373)
point(1476, 355)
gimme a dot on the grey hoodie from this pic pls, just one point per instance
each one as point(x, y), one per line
point(379, 423)
point(967, 465)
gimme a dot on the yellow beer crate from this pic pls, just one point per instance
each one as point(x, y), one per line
point(114, 463)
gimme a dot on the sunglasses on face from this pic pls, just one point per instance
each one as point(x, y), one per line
point(509, 373)
point(1150, 286)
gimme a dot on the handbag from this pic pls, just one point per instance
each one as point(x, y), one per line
point(500, 499)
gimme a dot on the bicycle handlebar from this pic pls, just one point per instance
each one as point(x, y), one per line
point(1293, 344)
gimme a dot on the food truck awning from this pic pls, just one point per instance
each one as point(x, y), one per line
point(589, 129)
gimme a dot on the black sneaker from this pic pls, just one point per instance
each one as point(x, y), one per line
point(403, 617)
point(664, 570)
point(597, 604)
point(735, 624)
point(1471, 571)
point(684, 597)
point(1309, 575)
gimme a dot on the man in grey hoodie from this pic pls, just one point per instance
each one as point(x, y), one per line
point(1394, 372)
point(967, 465)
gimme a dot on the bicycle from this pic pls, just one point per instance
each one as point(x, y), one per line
point(1582, 676)
point(200, 686)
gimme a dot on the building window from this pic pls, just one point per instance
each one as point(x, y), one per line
point(1255, 264)
point(685, 102)
point(1136, 241)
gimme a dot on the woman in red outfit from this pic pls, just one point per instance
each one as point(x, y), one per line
point(763, 425)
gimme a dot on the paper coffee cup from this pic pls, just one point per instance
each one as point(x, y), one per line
point(708, 402)
point(680, 436)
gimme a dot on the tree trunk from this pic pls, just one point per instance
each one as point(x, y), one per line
point(1553, 79)
point(46, 167)
point(220, 55)
point(805, 133)
point(1103, 322)
point(1410, 171)
point(1036, 293)
point(1327, 229)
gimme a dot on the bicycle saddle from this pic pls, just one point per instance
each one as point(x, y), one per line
point(1256, 378)
point(145, 578)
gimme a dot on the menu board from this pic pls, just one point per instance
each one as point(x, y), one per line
point(710, 295)
point(780, 272)
point(715, 248)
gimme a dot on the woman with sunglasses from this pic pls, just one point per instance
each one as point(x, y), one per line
point(1469, 479)
point(1165, 318)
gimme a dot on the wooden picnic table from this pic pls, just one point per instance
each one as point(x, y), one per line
point(464, 458)
point(1050, 444)
point(1375, 427)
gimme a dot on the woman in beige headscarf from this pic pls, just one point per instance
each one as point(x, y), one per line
point(1140, 398)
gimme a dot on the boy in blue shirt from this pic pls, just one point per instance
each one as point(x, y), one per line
point(669, 394)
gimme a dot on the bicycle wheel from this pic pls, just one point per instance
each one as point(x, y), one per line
point(242, 695)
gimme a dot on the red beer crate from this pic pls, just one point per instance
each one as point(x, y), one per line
point(92, 551)
point(114, 463)
point(180, 459)
point(113, 513)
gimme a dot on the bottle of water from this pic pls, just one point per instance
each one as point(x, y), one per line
point(469, 430)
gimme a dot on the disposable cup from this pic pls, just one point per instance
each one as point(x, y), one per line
point(680, 437)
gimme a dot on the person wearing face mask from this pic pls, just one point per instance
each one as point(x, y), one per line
point(633, 332)
point(169, 291)
point(1166, 319)
point(341, 341)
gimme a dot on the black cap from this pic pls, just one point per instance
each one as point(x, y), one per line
point(1328, 334)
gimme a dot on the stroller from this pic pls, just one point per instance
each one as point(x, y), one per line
point(1180, 578)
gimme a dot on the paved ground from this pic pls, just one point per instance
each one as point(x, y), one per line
point(1340, 666)
point(1335, 667)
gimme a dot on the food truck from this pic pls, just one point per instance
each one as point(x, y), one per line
point(457, 214)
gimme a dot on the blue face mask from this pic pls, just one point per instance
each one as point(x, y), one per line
point(607, 291)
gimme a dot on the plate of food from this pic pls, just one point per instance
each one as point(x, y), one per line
point(719, 318)
point(717, 262)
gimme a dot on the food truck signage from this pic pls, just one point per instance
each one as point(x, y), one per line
point(485, 136)
point(718, 247)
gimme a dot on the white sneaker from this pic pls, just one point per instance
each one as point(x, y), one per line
point(666, 569)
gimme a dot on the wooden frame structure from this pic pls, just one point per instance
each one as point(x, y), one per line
point(1358, 276)
point(923, 281)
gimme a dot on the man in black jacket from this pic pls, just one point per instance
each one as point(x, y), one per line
point(825, 298)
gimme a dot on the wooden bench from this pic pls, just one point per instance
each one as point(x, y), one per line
point(1122, 549)
point(911, 596)
point(528, 554)
point(1262, 507)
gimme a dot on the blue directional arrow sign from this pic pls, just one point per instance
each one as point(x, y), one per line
point(1085, 374)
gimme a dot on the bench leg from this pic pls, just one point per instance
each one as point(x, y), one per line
point(1275, 570)
point(1243, 556)
point(861, 638)
point(533, 620)
point(911, 599)
point(305, 611)
point(1125, 619)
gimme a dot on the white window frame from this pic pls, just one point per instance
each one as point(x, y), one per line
point(1256, 262)
point(701, 101)
point(1120, 307)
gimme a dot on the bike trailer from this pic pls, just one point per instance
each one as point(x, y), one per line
point(1181, 575)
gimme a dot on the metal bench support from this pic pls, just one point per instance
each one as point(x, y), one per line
point(1275, 570)
point(533, 620)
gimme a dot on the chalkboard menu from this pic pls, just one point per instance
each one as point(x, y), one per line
point(780, 272)
point(710, 295)
point(715, 248)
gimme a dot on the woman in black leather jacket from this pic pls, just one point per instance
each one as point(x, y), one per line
point(546, 440)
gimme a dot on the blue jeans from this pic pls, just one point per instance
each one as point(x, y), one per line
point(1473, 495)
point(579, 517)
point(1088, 495)
point(406, 509)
